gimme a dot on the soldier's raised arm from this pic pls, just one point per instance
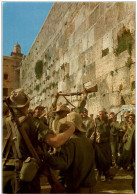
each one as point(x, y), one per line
point(82, 103)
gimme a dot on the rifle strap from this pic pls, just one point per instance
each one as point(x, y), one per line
point(28, 143)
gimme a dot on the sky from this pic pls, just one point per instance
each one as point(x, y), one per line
point(21, 23)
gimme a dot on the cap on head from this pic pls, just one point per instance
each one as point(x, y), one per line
point(76, 119)
point(131, 114)
point(103, 110)
point(126, 114)
point(39, 107)
point(62, 108)
point(84, 110)
point(18, 99)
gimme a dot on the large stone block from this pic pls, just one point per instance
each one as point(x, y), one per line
point(121, 79)
point(90, 37)
point(89, 73)
point(130, 7)
point(80, 17)
point(108, 42)
point(105, 65)
point(94, 16)
point(111, 17)
point(73, 66)
point(121, 11)
point(92, 5)
point(100, 28)
point(102, 7)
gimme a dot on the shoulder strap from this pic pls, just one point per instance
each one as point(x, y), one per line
point(28, 143)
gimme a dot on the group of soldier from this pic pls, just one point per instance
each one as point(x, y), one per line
point(67, 140)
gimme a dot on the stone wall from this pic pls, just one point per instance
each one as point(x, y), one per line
point(84, 42)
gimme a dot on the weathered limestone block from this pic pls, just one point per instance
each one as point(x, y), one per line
point(105, 65)
point(111, 17)
point(97, 50)
point(92, 5)
point(100, 28)
point(89, 72)
point(121, 11)
point(90, 37)
point(73, 66)
point(130, 7)
point(79, 33)
point(121, 79)
point(84, 42)
point(81, 60)
point(79, 19)
point(129, 22)
point(115, 99)
point(108, 41)
point(78, 78)
point(120, 61)
point(102, 7)
point(94, 16)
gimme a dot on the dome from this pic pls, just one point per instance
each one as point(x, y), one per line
point(17, 48)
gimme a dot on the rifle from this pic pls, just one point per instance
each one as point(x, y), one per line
point(57, 187)
point(89, 90)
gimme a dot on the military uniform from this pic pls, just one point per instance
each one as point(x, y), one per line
point(103, 149)
point(36, 132)
point(114, 131)
point(120, 136)
point(76, 158)
point(89, 126)
point(128, 154)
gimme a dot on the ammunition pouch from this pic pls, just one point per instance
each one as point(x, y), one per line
point(29, 169)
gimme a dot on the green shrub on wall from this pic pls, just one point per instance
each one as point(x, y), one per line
point(39, 69)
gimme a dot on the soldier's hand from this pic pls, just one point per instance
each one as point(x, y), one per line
point(56, 95)
point(84, 91)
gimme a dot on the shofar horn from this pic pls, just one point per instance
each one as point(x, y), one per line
point(89, 90)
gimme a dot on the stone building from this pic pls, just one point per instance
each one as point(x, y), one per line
point(84, 43)
point(11, 70)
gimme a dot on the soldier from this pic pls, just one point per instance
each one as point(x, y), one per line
point(114, 130)
point(128, 156)
point(82, 103)
point(122, 132)
point(61, 112)
point(89, 124)
point(37, 133)
point(40, 114)
point(76, 158)
point(30, 113)
point(103, 149)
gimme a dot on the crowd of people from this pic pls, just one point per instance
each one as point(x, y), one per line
point(67, 140)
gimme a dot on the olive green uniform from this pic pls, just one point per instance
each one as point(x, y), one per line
point(103, 149)
point(114, 131)
point(76, 158)
point(36, 131)
point(120, 136)
point(89, 126)
point(81, 105)
point(128, 155)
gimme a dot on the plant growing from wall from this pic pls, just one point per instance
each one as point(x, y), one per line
point(125, 42)
point(37, 88)
point(129, 62)
point(133, 86)
point(39, 69)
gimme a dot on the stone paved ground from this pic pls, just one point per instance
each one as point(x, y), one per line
point(120, 184)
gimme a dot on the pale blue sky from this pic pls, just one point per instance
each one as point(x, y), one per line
point(22, 22)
